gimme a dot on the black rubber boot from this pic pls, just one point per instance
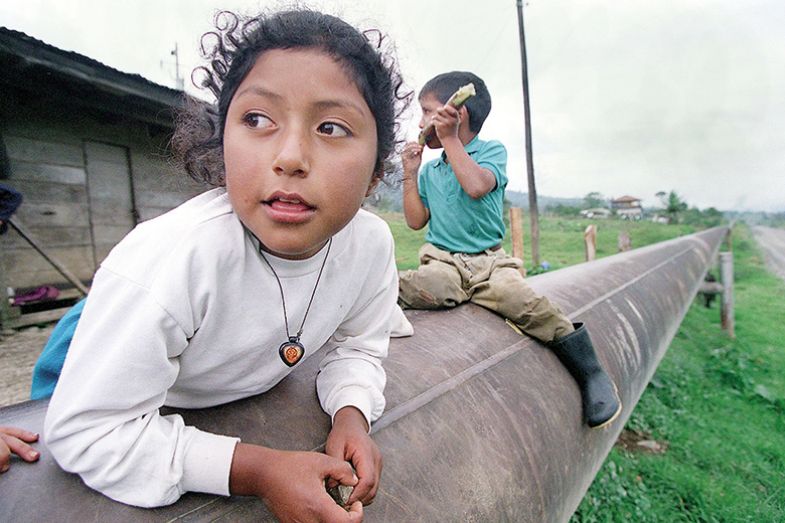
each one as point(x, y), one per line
point(601, 404)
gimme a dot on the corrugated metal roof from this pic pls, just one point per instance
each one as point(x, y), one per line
point(25, 53)
point(626, 199)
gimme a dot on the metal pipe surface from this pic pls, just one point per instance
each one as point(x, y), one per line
point(481, 423)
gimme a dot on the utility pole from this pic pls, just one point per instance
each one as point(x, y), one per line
point(534, 215)
point(179, 82)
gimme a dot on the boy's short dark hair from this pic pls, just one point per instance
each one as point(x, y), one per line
point(445, 84)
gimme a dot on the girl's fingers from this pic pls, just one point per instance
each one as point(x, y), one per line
point(5, 456)
point(365, 490)
point(356, 512)
point(19, 447)
point(361, 491)
point(342, 472)
point(24, 435)
point(369, 472)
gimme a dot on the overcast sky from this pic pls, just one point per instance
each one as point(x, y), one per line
point(627, 98)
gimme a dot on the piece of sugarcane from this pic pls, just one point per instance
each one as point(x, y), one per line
point(457, 100)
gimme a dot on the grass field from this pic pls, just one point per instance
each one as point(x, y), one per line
point(715, 407)
point(561, 239)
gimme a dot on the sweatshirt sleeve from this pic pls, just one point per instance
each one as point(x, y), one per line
point(103, 421)
point(351, 372)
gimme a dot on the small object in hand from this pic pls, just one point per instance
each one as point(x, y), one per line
point(340, 493)
point(457, 100)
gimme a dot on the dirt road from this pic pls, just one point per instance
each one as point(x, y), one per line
point(772, 243)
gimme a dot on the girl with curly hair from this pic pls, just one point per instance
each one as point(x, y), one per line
point(220, 298)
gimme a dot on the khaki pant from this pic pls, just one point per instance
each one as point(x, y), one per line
point(491, 280)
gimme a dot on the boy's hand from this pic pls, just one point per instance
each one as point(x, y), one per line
point(349, 440)
point(16, 440)
point(411, 158)
point(446, 121)
point(291, 484)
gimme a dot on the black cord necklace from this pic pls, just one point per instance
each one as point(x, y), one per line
point(292, 351)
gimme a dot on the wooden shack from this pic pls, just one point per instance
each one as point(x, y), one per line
point(87, 146)
point(627, 207)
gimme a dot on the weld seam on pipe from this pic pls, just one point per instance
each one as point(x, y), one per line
point(620, 288)
point(438, 390)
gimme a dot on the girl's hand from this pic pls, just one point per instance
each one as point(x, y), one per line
point(349, 440)
point(411, 158)
point(292, 484)
point(16, 441)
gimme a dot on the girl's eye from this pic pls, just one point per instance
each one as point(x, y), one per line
point(333, 129)
point(257, 121)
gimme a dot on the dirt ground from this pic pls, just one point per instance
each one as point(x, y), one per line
point(18, 353)
point(20, 349)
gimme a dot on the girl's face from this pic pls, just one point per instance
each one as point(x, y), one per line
point(299, 150)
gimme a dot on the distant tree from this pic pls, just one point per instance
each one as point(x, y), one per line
point(674, 207)
point(593, 200)
point(712, 217)
point(563, 210)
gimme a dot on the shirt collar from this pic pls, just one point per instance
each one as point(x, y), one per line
point(472, 147)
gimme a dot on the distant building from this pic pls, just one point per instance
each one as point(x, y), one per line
point(627, 207)
point(597, 212)
point(86, 145)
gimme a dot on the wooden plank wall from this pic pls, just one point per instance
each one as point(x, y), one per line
point(48, 144)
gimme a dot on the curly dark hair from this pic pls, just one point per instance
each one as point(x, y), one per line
point(232, 50)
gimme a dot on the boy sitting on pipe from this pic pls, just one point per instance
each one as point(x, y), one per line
point(460, 197)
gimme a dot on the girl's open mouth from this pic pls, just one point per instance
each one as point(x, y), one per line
point(288, 208)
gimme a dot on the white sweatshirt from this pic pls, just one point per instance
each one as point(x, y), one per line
point(184, 312)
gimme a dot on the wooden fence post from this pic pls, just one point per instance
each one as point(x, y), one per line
point(729, 240)
point(625, 244)
point(590, 241)
point(516, 234)
point(726, 276)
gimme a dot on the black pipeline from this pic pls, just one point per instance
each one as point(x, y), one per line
point(481, 423)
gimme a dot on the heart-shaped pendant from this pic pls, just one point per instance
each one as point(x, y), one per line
point(291, 352)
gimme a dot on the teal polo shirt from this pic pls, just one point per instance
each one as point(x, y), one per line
point(459, 223)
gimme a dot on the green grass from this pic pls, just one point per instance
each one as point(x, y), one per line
point(407, 241)
point(561, 239)
point(717, 404)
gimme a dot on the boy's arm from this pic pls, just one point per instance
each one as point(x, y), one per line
point(475, 180)
point(414, 210)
